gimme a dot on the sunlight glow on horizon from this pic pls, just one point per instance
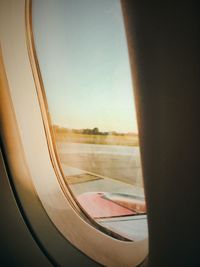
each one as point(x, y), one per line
point(84, 62)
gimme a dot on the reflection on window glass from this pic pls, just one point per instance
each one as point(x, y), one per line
point(83, 57)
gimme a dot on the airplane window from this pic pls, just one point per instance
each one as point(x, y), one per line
point(83, 59)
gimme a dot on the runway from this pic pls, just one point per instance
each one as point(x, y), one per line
point(110, 168)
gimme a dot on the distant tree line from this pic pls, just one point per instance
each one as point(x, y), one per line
point(94, 131)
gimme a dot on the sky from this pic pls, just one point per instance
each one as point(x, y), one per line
point(83, 57)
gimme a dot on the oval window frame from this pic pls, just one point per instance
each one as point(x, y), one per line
point(14, 43)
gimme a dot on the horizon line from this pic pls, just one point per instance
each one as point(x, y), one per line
point(108, 131)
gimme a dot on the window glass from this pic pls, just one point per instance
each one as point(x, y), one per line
point(83, 58)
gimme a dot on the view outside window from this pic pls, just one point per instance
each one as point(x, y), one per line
point(83, 57)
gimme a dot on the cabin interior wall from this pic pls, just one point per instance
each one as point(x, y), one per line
point(164, 48)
